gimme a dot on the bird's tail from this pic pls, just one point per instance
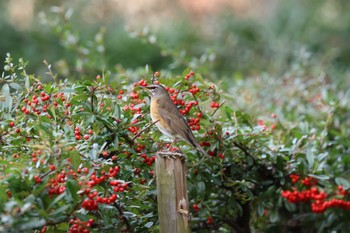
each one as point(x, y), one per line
point(189, 137)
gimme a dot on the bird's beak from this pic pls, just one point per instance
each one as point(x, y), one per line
point(145, 88)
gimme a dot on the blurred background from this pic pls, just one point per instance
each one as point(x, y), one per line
point(232, 38)
point(283, 58)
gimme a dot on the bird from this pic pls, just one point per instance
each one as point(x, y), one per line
point(167, 117)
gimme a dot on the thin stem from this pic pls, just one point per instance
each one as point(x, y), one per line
point(138, 134)
point(222, 103)
point(123, 218)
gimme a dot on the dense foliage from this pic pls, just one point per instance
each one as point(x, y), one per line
point(78, 156)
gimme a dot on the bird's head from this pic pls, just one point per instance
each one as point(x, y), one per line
point(156, 90)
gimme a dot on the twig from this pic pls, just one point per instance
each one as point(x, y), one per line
point(93, 89)
point(245, 151)
point(222, 103)
point(138, 134)
point(242, 149)
point(198, 108)
point(125, 219)
point(50, 71)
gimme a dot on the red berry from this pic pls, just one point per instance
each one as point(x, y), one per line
point(12, 124)
point(157, 74)
point(210, 220)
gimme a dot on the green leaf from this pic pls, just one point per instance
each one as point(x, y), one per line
point(72, 190)
point(273, 216)
point(60, 212)
point(6, 89)
point(343, 182)
point(33, 223)
point(8, 103)
point(16, 86)
point(320, 177)
point(201, 189)
point(260, 209)
point(56, 200)
point(27, 83)
point(310, 157)
point(228, 112)
point(46, 129)
point(149, 224)
point(93, 152)
point(75, 159)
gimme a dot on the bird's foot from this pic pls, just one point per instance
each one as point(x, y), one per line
point(171, 154)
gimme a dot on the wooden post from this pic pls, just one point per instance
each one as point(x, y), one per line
point(173, 206)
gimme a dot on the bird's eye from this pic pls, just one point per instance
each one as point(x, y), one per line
point(151, 87)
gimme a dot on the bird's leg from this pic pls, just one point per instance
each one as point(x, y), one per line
point(171, 144)
point(171, 154)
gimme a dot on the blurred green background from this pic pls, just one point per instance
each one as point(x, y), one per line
point(231, 38)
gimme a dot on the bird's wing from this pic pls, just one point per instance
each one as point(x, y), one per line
point(169, 112)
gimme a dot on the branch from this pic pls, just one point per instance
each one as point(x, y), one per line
point(198, 108)
point(242, 148)
point(133, 139)
point(245, 151)
point(222, 103)
point(123, 218)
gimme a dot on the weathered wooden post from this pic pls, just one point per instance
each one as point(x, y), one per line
point(173, 206)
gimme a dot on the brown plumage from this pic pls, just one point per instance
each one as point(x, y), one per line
point(168, 118)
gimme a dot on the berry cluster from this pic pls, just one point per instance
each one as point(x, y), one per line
point(93, 198)
point(57, 185)
point(265, 126)
point(78, 226)
point(296, 196)
point(194, 89)
point(134, 129)
point(35, 156)
point(148, 160)
point(189, 75)
point(77, 134)
point(317, 199)
point(214, 104)
point(39, 104)
point(193, 122)
point(120, 96)
point(37, 179)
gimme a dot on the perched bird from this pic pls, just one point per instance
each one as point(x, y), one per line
point(168, 118)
